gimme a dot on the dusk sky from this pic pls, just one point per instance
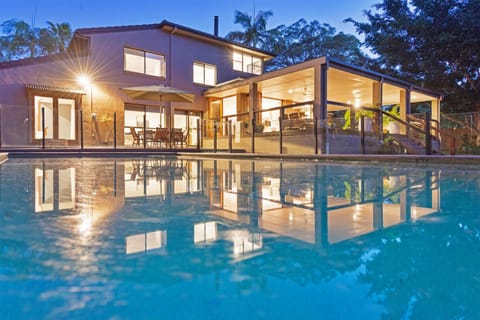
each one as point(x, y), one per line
point(191, 13)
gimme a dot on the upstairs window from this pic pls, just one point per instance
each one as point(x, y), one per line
point(144, 62)
point(246, 63)
point(204, 73)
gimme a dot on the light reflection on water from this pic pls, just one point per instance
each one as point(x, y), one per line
point(234, 239)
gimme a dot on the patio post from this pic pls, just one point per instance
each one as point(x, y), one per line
point(320, 106)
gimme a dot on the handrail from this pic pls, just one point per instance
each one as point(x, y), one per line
point(435, 129)
point(408, 125)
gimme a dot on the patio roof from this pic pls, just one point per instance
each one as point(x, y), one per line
point(344, 83)
point(42, 87)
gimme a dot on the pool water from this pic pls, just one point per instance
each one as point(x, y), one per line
point(170, 238)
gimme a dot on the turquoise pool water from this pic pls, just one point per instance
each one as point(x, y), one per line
point(163, 238)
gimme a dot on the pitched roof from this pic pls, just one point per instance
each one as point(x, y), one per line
point(170, 26)
point(41, 59)
point(164, 25)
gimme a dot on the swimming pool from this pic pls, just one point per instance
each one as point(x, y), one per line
point(218, 239)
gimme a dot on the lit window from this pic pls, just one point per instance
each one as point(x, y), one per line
point(237, 61)
point(247, 63)
point(204, 73)
point(140, 61)
point(44, 126)
point(58, 118)
point(66, 119)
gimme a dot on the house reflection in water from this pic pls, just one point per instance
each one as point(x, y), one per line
point(241, 202)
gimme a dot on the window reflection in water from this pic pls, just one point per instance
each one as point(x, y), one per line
point(45, 182)
point(145, 242)
point(320, 205)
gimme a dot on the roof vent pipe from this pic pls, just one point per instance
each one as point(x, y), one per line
point(215, 26)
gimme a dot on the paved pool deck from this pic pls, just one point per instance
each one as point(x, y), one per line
point(469, 160)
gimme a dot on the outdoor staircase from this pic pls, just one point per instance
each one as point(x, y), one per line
point(409, 144)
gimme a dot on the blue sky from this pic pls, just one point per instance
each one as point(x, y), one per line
point(197, 14)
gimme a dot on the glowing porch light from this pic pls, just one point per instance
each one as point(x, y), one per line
point(84, 81)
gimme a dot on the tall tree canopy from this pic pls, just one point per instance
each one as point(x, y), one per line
point(255, 28)
point(296, 43)
point(304, 40)
point(20, 40)
point(431, 42)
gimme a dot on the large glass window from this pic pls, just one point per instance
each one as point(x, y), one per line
point(140, 61)
point(57, 126)
point(270, 119)
point(204, 73)
point(66, 119)
point(246, 63)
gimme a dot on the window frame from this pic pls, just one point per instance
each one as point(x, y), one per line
point(249, 63)
point(35, 135)
point(204, 66)
point(146, 54)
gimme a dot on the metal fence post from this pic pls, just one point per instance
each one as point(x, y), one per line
point(280, 122)
point(43, 128)
point(230, 142)
point(199, 134)
point(315, 132)
point(114, 130)
point(253, 135)
point(144, 131)
point(428, 136)
point(362, 132)
point(81, 129)
point(215, 136)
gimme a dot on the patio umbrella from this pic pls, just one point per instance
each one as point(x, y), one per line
point(159, 93)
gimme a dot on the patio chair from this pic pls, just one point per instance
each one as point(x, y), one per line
point(161, 136)
point(135, 137)
point(178, 138)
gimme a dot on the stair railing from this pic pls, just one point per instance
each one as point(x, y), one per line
point(416, 131)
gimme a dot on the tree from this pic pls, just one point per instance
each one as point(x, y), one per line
point(21, 40)
point(430, 42)
point(61, 33)
point(304, 40)
point(255, 28)
point(18, 39)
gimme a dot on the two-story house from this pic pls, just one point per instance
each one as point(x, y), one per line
point(117, 85)
point(94, 76)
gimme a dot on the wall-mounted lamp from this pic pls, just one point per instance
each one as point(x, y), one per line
point(86, 83)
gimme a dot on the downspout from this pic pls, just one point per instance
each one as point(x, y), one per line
point(170, 63)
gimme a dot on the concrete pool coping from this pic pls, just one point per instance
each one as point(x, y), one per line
point(375, 158)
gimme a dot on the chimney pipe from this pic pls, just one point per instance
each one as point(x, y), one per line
point(215, 26)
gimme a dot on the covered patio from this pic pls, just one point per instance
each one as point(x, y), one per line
point(316, 107)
